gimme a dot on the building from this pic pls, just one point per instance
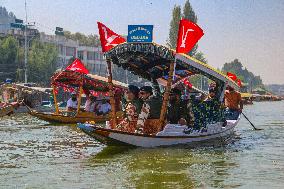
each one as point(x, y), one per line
point(67, 48)
point(93, 59)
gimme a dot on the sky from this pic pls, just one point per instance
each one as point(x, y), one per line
point(249, 30)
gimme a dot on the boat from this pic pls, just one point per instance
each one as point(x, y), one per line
point(8, 109)
point(159, 63)
point(72, 80)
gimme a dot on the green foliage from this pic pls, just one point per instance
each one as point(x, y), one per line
point(243, 74)
point(42, 62)
point(174, 25)
point(189, 14)
point(9, 48)
point(200, 81)
point(90, 40)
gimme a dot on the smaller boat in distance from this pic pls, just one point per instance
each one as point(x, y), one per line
point(76, 81)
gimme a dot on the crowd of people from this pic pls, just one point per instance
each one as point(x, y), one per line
point(99, 107)
point(139, 105)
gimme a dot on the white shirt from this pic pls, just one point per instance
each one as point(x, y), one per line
point(72, 104)
point(89, 106)
point(104, 108)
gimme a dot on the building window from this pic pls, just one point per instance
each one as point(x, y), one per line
point(70, 51)
point(90, 55)
point(81, 55)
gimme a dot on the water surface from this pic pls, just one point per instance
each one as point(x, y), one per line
point(35, 154)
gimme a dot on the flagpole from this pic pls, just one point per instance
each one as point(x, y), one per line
point(167, 94)
point(111, 94)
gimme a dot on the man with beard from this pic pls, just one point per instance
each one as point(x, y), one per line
point(72, 103)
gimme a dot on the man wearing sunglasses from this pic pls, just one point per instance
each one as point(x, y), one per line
point(151, 107)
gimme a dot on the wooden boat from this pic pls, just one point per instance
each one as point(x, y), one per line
point(158, 63)
point(80, 82)
point(8, 109)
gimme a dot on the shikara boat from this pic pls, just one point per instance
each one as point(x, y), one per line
point(80, 82)
point(8, 109)
point(155, 62)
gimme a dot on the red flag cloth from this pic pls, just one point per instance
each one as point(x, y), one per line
point(188, 35)
point(77, 66)
point(108, 38)
point(232, 76)
point(239, 83)
point(187, 83)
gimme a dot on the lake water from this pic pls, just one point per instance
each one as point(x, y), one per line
point(34, 154)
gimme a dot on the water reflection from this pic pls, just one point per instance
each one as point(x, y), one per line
point(167, 167)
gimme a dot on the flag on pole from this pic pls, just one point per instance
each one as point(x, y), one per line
point(77, 66)
point(239, 83)
point(188, 35)
point(232, 76)
point(187, 83)
point(109, 39)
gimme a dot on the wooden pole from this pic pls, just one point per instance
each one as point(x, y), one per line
point(55, 100)
point(167, 95)
point(79, 100)
point(111, 94)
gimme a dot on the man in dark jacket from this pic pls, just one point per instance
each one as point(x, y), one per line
point(151, 107)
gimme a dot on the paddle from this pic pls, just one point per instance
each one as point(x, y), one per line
point(257, 129)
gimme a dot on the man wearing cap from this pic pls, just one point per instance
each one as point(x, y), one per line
point(177, 109)
point(72, 103)
point(151, 107)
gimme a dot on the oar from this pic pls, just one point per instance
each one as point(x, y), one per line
point(257, 129)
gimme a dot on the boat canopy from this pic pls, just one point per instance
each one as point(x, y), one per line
point(152, 62)
point(71, 79)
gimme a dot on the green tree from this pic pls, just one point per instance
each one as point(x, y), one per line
point(42, 62)
point(189, 14)
point(9, 48)
point(90, 40)
point(200, 81)
point(174, 25)
point(243, 74)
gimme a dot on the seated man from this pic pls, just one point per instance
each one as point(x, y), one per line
point(103, 108)
point(233, 103)
point(177, 109)
point(90, 105)
point(72, 103)
point(151, 107)
point(213, 108)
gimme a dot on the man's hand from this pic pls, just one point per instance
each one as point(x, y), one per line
point(182, 121)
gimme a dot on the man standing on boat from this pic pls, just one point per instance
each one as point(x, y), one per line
point(72, 103)
point(150, 109)
point(233, 103)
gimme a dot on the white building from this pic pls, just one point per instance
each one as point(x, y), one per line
point(67, 48)
point(93, 59)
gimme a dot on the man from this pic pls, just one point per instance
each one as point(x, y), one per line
point(90, 105)
point(72, 103)
point(177, 109)
point(104, 107)
point(233, 103)
point(151, 107)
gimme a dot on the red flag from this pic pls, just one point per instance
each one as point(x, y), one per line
point(188, 35)
point(232, 76)
point(239, 83)
point(77, 66)
point(108, 38)
point(187, 83)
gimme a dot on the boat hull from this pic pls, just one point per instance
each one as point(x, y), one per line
point(115, 137)
point(6, 110)
point(59, 118)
